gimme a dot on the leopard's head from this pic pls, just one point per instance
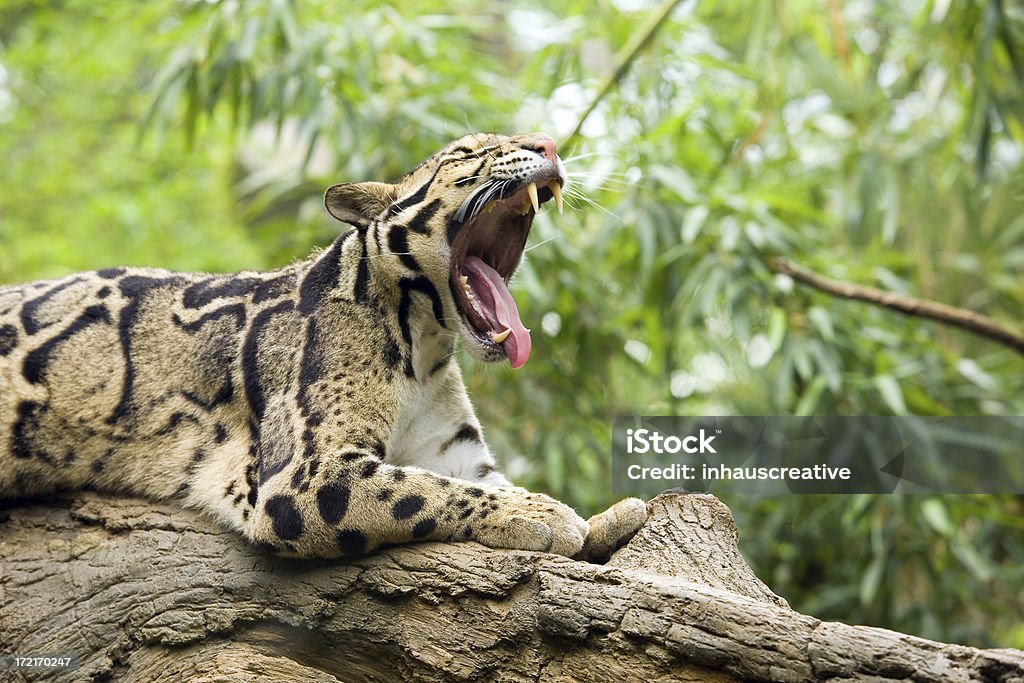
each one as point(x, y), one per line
point(460, 219)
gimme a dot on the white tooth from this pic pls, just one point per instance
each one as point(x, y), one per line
point(531, 190)
point(556, 192)
point(498, 337)
point(465, 280)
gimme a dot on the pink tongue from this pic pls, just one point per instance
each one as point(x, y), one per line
point(498, 307)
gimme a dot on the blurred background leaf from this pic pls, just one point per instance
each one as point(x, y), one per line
point(875, 141)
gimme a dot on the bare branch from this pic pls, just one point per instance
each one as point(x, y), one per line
point(923, 308)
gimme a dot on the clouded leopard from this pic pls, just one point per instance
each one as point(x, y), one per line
point(316, 408)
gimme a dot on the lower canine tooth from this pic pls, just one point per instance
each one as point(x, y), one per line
point(498, 337)
point(531, 190)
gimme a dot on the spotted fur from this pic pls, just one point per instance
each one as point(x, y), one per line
point(315, 408)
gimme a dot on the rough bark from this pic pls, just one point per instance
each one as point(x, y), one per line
point(142, 592)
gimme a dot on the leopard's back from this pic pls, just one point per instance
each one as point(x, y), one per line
point(122, 379)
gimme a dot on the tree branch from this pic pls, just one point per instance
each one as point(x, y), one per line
point(923, 308)
point(623, 60)
point(140, 591)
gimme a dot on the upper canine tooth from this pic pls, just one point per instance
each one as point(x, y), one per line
point(556, 192)
point(531, 190)
point(498, 337)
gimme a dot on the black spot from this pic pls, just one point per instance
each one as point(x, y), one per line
point(392, 356)
point(298, 476)
point(424, 286)
point(250, 479)
point(110, 273)
point(225, 392)
point(9, 339)
point(466, 513)
point(310, 371)
point(467, 532)
point(424, 527)
point(351, 542)
point(321, 279)
point(235, 310)
point(205, 291)
point(408, 506)
point(29, 322)
point(415, 198)
point(466, 432)
point(462, 502)
point(25, 429)
point(332, 501)
point(360, 290)
point(273, 289)
point(134, 288)
point(254, 383)
point(352, 456)
point(397, 475)
point(100, 463)
point(385, 495)
point(197, 457)
point(474, 491)
point(424, 216)
point(369, 469)
point(220, 433)
point(441, 364)
point(286, 517)
point(398, 243)
point(103, 293)
point(35, 363)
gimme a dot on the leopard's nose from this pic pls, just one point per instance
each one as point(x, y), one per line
point(546, 147)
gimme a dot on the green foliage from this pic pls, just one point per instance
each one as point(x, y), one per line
point(78, 192)
point(878, 142)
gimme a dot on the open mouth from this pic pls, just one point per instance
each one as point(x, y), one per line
point(485, 253)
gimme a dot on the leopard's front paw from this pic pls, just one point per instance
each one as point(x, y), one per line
point(612, 529)
point(532, 521)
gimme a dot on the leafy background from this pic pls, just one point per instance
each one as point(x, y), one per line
point(879, 142)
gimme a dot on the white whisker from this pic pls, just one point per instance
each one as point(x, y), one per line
point(534, 246)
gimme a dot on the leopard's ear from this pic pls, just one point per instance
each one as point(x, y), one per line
point(359, 203)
